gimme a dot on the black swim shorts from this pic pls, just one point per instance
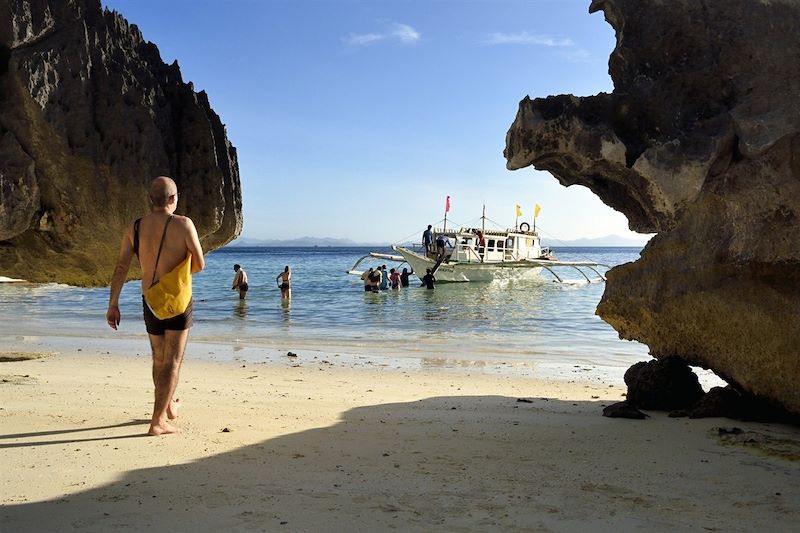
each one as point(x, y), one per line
point(155, 326)
point(243, 287)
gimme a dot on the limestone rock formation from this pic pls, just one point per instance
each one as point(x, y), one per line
point(699, 143)
point(89, 114)
point(662, 385)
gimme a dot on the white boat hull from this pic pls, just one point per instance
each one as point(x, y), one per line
point(462, 272)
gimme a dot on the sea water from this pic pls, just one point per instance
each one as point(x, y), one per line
point(510, 325)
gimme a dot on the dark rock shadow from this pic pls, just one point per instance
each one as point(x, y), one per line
point(465, 463)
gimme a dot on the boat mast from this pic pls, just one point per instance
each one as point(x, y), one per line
point(446, 209)
point(483, 220)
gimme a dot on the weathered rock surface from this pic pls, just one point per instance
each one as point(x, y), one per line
point(699, 143)
point(89, 114)
point(730, 403)
point(662, 385)
point(718, 402)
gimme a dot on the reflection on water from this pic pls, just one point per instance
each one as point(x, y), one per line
point(434, 313)
point(240, 309)
point(286, 308)
point(373, 298)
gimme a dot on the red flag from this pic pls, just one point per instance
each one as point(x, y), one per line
point(447, 204)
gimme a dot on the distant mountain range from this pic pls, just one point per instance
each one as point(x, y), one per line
point(310, 242)
point(608, 240)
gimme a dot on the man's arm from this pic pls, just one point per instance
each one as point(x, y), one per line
point(194, 247)
point(118, 278)
point(237, 280)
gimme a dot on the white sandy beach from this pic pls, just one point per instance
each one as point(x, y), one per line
point(320, 447)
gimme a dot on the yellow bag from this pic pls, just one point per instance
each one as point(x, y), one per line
point(171, 295)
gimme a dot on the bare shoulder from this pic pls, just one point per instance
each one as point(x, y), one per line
point(184, 222)
point(127, 233)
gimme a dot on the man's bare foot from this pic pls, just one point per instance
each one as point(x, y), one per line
point(172, 409)
point(162, 428)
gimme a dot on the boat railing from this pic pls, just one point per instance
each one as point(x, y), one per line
point(420, 249)
point(470, 252)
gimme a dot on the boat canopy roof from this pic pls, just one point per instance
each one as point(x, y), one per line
point(486, 232)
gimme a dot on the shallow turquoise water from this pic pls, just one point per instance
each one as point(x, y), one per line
point(510, 321)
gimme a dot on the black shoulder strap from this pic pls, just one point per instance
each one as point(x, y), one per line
point(160, 246)
point(136, 236)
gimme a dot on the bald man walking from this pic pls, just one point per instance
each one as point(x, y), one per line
point(161, 240)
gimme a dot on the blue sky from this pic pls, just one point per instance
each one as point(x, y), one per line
point(355, 119)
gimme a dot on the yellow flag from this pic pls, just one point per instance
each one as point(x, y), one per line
point(519, 211)
point(536, 210)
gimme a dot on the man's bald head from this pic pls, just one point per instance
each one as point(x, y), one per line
point(161, 189)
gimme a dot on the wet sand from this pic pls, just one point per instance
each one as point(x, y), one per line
point(312, 445)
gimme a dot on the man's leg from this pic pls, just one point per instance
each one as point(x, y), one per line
point(167, 358)
point(157, 351)
point(157, 347)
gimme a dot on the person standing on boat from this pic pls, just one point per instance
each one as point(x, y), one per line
point(441, 242)
point(481, 241)
point(384, 278)
point(427, 240)
point(428, 280)
point(284, 280)
point(240, 281)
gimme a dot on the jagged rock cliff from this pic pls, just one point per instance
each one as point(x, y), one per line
point(699, 143)
point(89, 114)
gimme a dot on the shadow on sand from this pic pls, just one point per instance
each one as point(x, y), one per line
point(464, 463)
point(17, 436)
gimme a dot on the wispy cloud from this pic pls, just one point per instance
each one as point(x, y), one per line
point(566, 47)
point(405, 33)
point(402, 33)
point(527, 38)
point(363, 38)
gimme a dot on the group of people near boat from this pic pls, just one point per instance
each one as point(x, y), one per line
point(377, 279)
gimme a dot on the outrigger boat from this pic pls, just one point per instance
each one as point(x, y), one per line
point(511, 254)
